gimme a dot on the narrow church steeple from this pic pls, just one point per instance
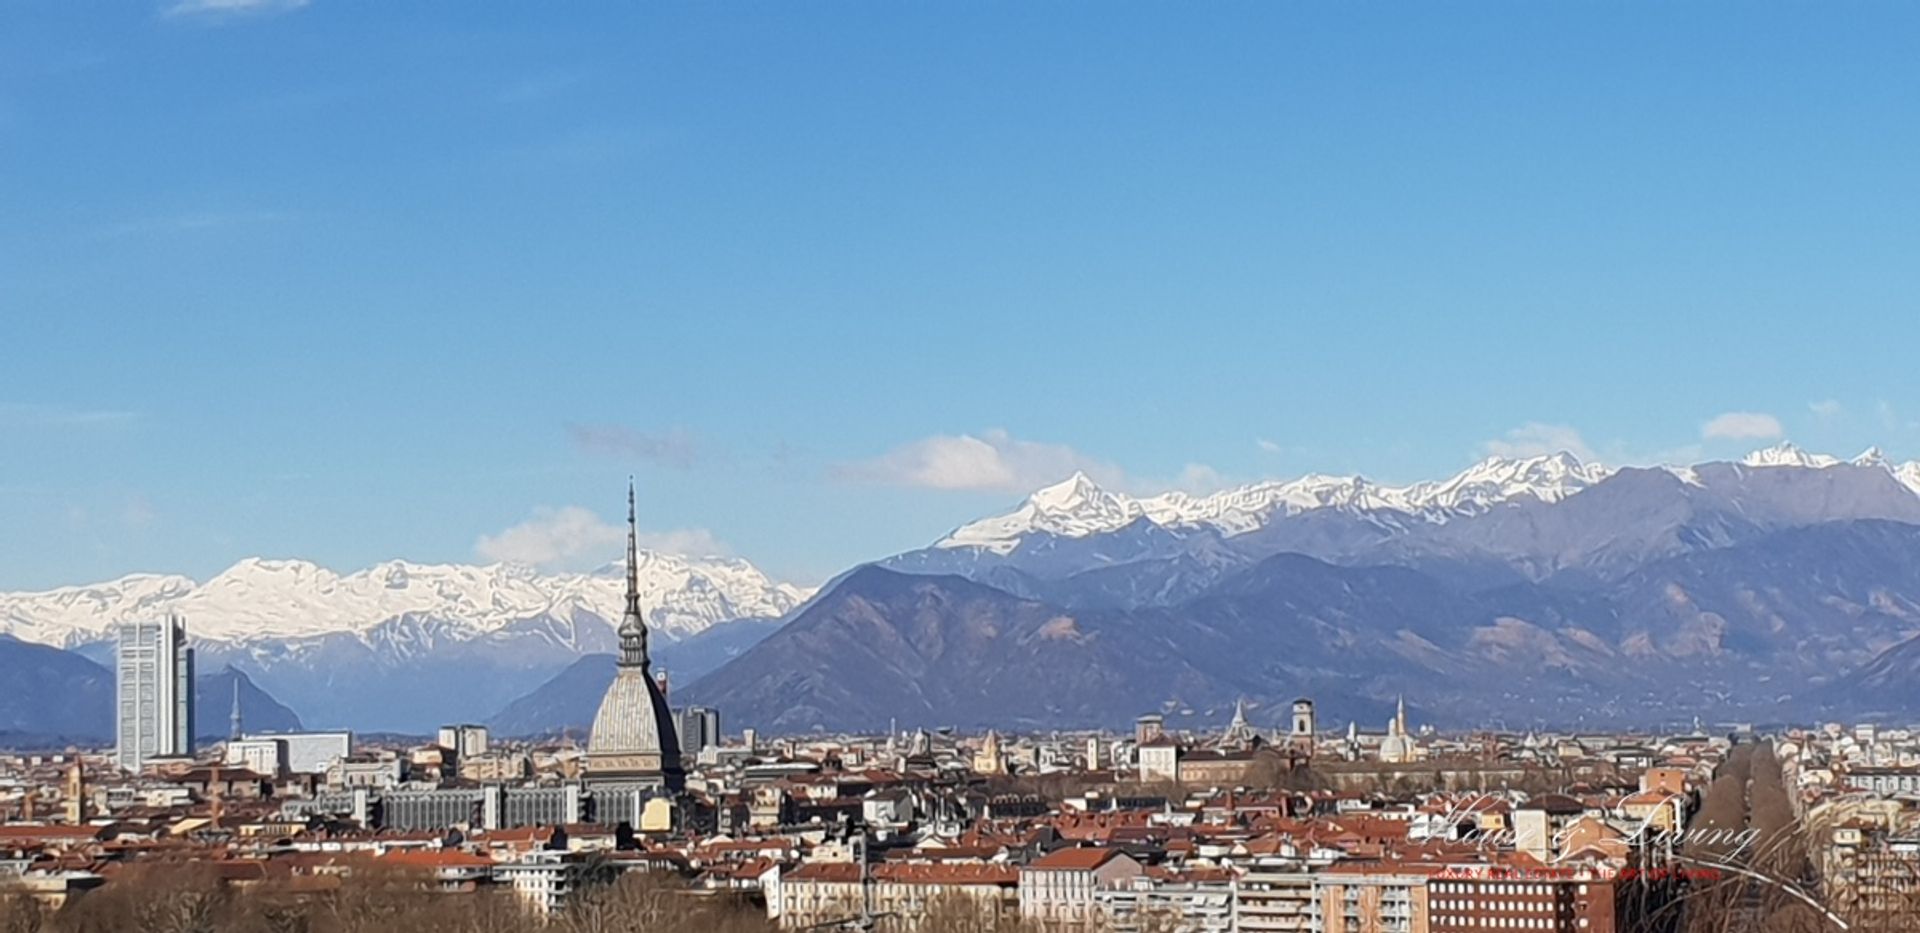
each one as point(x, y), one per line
point(234, 720)
point(633, 628)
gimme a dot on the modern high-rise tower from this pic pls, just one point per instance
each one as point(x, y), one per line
point(699, 728)
point(154, 708)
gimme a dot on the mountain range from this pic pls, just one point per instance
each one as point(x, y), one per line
point(1536, 589)
point(403, 646)
point(55, 697)
point(1526, 589)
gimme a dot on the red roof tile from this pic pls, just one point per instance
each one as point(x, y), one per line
point(1073, 859)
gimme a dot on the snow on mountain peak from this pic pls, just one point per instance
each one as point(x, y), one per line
point(1787, 453)
point(259, 597)
point(1074, 507)
point(1548, 478)
point(1078, 506)
point(1076, 492)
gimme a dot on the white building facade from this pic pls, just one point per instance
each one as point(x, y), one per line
point(154, 692)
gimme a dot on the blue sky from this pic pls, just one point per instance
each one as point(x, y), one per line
point(353, 281)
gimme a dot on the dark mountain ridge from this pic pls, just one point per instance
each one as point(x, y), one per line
point(55, 696)
point(1748, 628)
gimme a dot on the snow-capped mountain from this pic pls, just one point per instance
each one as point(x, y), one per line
point(1788, 454)
point(1078, 507)
point(1791, 455)
point(1742, 581)
point(258, 599)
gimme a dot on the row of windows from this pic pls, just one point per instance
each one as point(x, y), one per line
point(1497, 888)
point(1507, 923)
point(1544, 907)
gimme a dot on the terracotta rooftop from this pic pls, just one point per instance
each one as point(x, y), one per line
point(436, 858)
point(60, 833)
point(907, 873)
point(1085, 859)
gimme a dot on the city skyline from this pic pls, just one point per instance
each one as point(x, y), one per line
point(391, 304)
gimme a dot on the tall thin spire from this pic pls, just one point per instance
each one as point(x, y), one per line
point(633, 553)
point(633, 627)
point(236, 707)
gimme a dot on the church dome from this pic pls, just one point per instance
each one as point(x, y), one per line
point(634, 721)
point(633, 738)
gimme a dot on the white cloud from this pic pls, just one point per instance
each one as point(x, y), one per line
point(1742, 425)
point(1827, 408)
point(1266, 445)
point(1200, 479)
point(994, 460)
point(1535, 439)
point(572, 537)
point(691, 542)
point(232, 7)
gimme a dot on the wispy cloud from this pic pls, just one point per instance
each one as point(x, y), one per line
point(675, 447)
point(138, 512)
point(108, 518)
point(535, 88)
point(1267, 446)
point(587, 147)
point(575, 538)
point(1742, 425)
point(1536, 439)
point(1827, 409)
point(1200, 479)
point(226, 8)
point(992, 460)
point(191, 222)
point(1890, 419)
point(34, 415)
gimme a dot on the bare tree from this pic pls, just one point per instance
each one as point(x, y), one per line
point(20, 912)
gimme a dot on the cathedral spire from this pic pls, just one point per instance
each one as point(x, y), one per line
point(633, 628)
